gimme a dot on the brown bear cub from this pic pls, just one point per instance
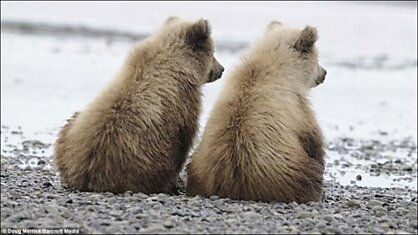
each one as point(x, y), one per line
point(262, 141)
point(136, 134)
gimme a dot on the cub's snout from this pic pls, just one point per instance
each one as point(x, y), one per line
point(216, 71)
point(321, 76)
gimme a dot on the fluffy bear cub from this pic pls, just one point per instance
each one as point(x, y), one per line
point(262, 141)
point(135, 135)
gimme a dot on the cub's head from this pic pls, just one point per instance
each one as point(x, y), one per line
point(192, 41)
point(297, 50)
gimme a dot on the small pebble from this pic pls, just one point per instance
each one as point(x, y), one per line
point(373, 203)
point(328, 218)
point(168, 224)
point(304, 215)
point(46, 184)
point(214, 197)
point(353, 203)
point(111, 201)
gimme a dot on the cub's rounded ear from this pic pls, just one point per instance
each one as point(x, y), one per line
point(306, 39)
point(198, 34)
point(171, 19)
point(272, 25)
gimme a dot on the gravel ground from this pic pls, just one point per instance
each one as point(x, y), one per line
point(32, 197)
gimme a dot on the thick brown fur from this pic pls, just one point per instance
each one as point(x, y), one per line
point(135, 135)
point(262, 141)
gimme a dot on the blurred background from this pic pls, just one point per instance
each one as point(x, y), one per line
point(56, 56)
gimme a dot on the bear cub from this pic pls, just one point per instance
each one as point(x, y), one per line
point(135, 135)
point(262, 141)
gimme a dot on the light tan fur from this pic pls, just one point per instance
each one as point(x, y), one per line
point(135, 135)
point(262, 141)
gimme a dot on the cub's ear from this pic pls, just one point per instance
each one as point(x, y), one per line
point(306, 39)
point(272, 25)
point(171, 19)
point(198, 34)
